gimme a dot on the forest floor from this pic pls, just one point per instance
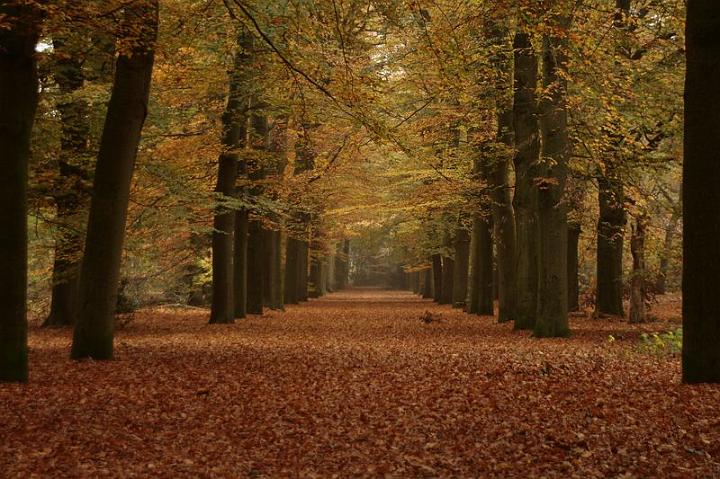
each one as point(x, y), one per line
point(356, 384)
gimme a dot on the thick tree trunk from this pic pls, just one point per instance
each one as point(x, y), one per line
point(274, 268)
point(572, 265)
point(527, 151)
point(638, 311)
point(18, 102)
point(460, 269)
point(240, 263)
point(225, 307)
point(610, 231)
point(127, 109)
point(447, 280)
point(701, 195)
point(552, 307)
point(437, 275)
point(481, 280)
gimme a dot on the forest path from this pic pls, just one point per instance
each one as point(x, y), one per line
point(355, 384)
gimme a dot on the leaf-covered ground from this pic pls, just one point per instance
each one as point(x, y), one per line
point(357, 385)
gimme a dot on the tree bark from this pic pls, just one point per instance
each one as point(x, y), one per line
point(638, 311)
point(527, 150)
point(127, 109)
point(292, 266)
point(670, 231)
point(256, 267)
point(481, 279)
point(572, 264)
point(701, 195)
point(460, 269)
point(229, 298)
point(447, 280)
point(427, 292)
point(240, 263)
point(610, 230)
point(437, 274)
point(18, 102)
point(552, 299)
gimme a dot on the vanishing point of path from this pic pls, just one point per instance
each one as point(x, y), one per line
point(356, 385)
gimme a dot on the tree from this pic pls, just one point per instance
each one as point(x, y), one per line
point(18, 101)
point(460, 269)
point(100, 272)
point(552, 307)
point(527, 150)
point(229, 243)
point(701, 195)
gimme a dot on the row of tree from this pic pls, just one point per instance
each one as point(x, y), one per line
point(482, 138)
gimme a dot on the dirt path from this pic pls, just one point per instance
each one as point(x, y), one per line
point(354, 385)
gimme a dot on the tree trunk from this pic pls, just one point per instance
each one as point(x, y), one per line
point(527, 150)
point(292, 266)
point(427, 292)
point(447, 280)
point(638, 312)
point(460, 269)
point(225, 307)
point(572, 264)
point(611, 224)
point(256, 267)
point(496, 173)
point(670, 229)
point(552, 302)
point(437, 274)
point(481, 280)
point(18, 102)
point(69, 191)
point(240, 263)
point(315, 280)
point(127, 109)
point(303, 274)
point(701, 195)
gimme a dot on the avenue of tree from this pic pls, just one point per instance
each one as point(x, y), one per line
point(543, 157)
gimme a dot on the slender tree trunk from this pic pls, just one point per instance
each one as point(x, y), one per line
point(460, 269)
point(572, 264)
point(127, 109)
point(481, 291)
point(701, 195)
point(240, 263)
point(437, 274)
point(18, 102)
point(552, 303)
point(610, 231)
point(670, 229)
point(343, 259)
point(638, 311)
point(527, 151)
